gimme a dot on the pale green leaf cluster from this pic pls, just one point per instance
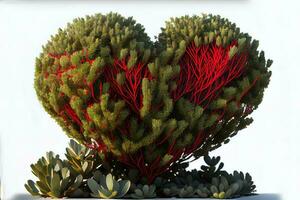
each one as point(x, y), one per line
point(107, 187)
point(56, 180)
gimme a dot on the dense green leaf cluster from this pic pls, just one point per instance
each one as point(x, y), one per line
point(238, 96)
point(109, 86)
point(208, 182)
point(56, 179)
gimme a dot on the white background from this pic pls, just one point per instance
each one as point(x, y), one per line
point(268, 149)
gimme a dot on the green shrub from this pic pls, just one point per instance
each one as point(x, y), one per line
point(113, 89)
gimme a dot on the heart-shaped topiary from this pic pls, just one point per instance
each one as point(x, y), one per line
point(149, 104)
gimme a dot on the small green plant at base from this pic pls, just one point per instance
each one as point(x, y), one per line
point(211, 181)
point(55, 178)
point(82, 159)
point(221, 189)
point(212, 168)
point(144, 192)
point(107, 187)
point(59, 178)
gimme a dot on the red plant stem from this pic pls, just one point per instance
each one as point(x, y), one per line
point(72, 114)
point(205, 70)
point(130, 90)
point(97, 145)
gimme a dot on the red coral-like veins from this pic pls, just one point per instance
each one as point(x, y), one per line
point(131, 89)
point(204, 70)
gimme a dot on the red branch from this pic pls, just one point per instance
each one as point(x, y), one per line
point(131, 89)
point(204, 70)
point(97, 145)
point(72, 114)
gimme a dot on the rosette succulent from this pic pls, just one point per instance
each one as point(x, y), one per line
point(55, 179)
point(107, 187)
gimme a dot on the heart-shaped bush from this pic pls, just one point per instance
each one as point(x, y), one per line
point(151, 104)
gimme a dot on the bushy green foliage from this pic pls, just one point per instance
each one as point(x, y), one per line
point(143, 109)
point(111, 88)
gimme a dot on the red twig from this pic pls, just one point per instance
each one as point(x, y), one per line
point(131, 89)
point(205, 70)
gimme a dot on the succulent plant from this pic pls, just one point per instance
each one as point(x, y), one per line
point(151, 105)
point(174, 190)
point(70, 178)
point(246, 185)
point(107, 187)
point(224, 185)
point(229, 186)
point(210, 181)
point(144, 192)
point(202, 191)
point(55, 179)
point(213, 167)
point(171, 190)
point(82, 160)
point(86, 161)
point(186, 192)
point(220, 188)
